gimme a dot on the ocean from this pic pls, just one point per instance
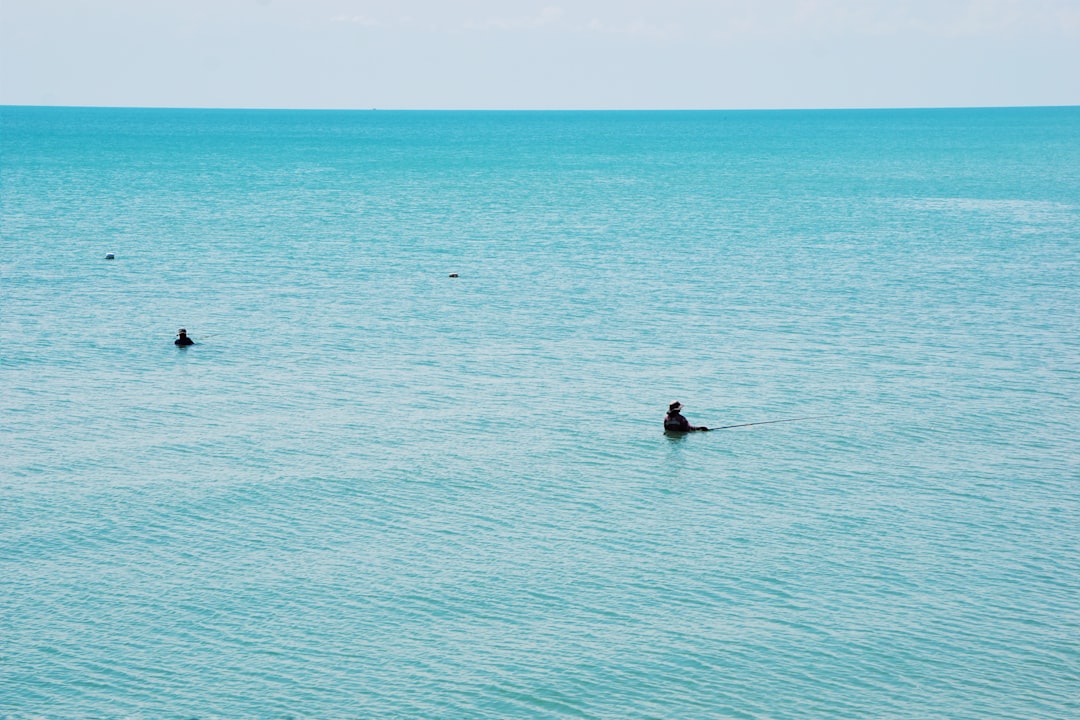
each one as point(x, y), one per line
point(375, 490)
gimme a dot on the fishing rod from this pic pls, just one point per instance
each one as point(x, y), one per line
point(770, 422)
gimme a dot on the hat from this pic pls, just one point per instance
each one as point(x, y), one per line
point(674, 406)
point(182, 331)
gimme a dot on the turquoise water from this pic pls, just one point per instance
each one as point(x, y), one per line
point(372, 490)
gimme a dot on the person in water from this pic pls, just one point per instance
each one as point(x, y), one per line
point(675, 422)
point(183, 340)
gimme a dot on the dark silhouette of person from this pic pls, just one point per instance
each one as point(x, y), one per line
point(182, 340)
point(675, 422)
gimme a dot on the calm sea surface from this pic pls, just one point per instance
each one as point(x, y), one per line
point(373, 490)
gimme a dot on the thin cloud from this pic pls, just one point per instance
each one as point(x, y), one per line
point(548, 16)
point(361, 20)
point(634, 29)
point(367, 21)
point(934, 18)
point(996, 17)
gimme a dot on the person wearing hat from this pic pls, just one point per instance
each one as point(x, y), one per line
point(183, 340)
point(675, 422)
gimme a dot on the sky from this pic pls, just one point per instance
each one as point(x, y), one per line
point(550, 54)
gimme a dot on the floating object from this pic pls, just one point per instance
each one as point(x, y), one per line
point(453, 275)
point(110, 256)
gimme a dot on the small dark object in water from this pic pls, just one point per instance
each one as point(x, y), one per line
point(110, 256)
point(453, 275)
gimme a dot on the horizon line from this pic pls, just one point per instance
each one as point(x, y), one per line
point(538, 110)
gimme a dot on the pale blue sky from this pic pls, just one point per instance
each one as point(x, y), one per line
point(546, 54)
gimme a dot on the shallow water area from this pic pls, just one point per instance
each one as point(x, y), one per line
point(371, 489)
